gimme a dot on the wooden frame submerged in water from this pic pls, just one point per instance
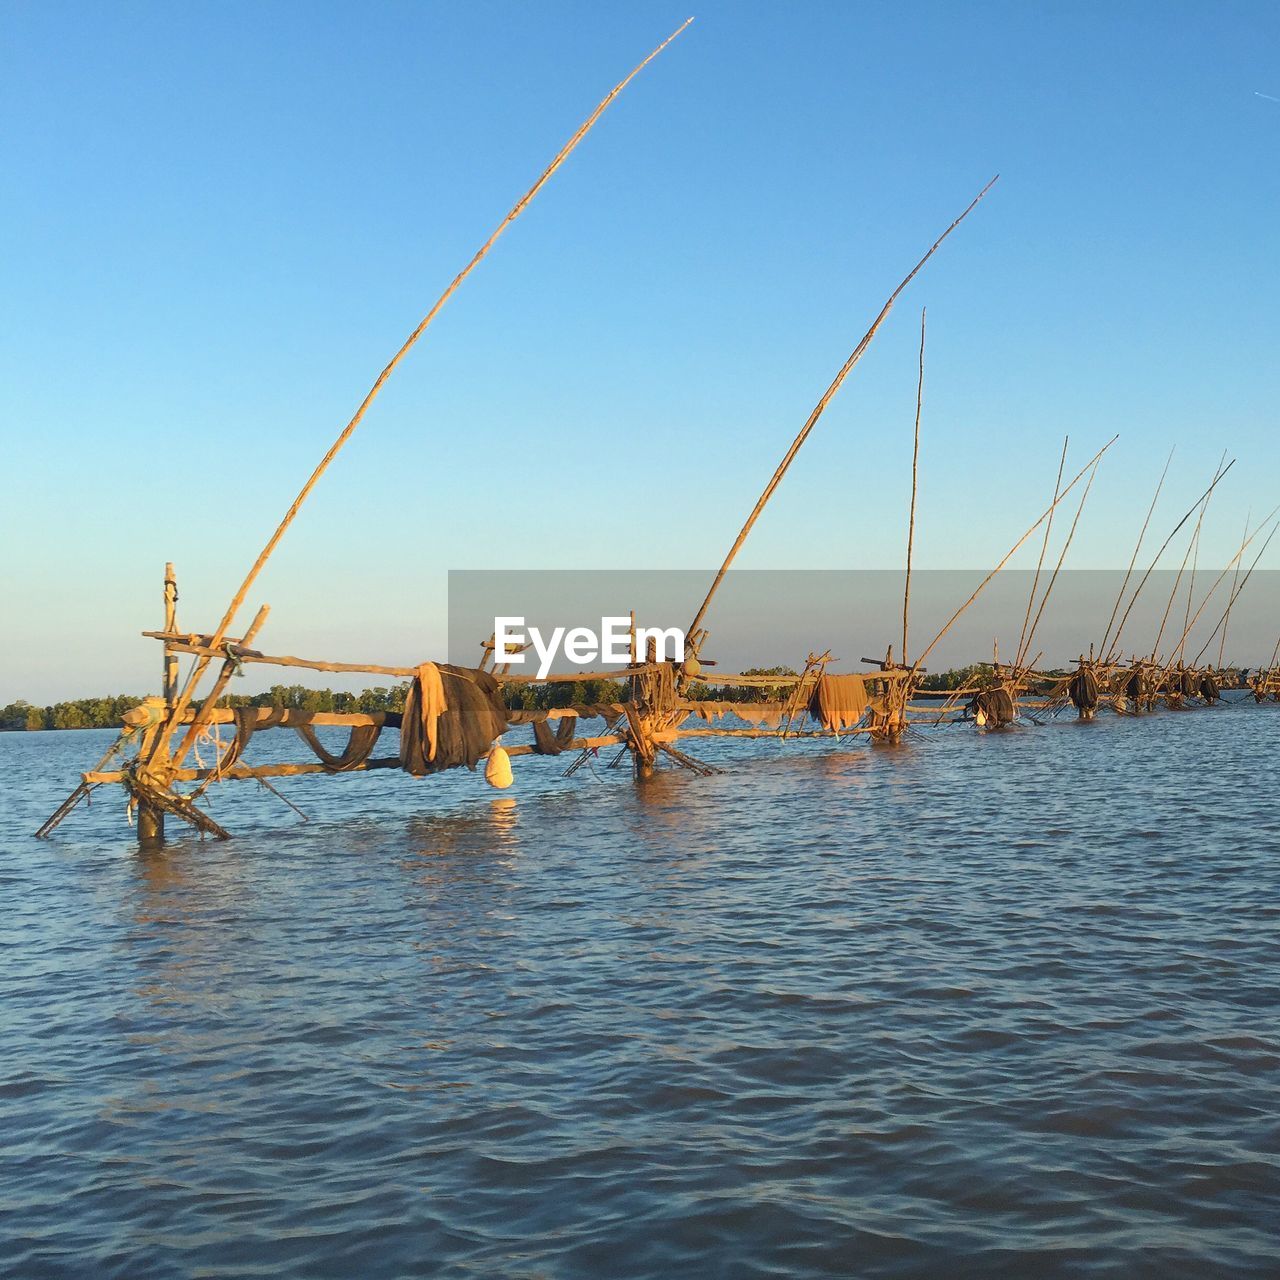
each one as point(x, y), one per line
point(160, 732)
point(149, 759)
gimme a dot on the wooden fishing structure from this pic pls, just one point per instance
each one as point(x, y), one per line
point(457, 716)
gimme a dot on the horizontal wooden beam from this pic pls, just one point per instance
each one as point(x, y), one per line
point(182, 645)
point(618, 673)
point(188, 643)
point(240, 772)
point(191, 637)
point(280, 717)
point(769, 733)
point(759, 681)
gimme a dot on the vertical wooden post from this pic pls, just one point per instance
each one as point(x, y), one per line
point(150, 825)
point(170, 624)
point(150, 819)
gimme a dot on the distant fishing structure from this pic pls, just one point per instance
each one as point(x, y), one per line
point(455, 716)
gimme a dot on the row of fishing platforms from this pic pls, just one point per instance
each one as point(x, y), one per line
point(456, 716)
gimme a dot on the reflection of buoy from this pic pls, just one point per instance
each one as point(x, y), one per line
point(502, 812)
point(980, 718)
point(497, 773)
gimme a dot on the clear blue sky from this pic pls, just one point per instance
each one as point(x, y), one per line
point(220, 220)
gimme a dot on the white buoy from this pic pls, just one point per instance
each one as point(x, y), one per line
point(497, 773)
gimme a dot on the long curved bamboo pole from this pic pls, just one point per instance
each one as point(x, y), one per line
point(347, 431)
point(1225, 624)
point(1142, 533)
point(1023, 641)
point(479, 255)
point(915, 488)
point(1057, 569)
point(1182, 568)
point(1191, 588)
point(1137, 591)
point(1237, 586)
point(858, 352)
point(1217, 581)
point(1274, 652)
point(1012, 550)
point(1195, 538)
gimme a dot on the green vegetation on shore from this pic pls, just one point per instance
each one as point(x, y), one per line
point(105, 713)
point(83, 713)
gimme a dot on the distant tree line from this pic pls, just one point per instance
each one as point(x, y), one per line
point(957, 678)
point(83, 713)
point(106, 713)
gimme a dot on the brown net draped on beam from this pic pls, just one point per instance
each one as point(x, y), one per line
point(766, 713)
point(358, 749)
point(839, 702)
point(452, 716)
point(1083, 689)
point(246, 720)
point(546, 743)
point(996, 707)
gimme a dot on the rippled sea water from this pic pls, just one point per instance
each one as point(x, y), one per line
point(985, 1005)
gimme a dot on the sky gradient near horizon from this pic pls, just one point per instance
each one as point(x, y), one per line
point(221, 221)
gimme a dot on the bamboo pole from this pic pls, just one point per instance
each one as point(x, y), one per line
point(201, 718)
point(1012, 550)
point(83, 788)
point(774, 733)
point(170, 624)
point(1023, 643)
point(1235, 591)
point(1204, 506)
point(243, 772)
point(151, 818)
point(915, 486)
point(1142, 533)
point(1133, 599)
point(1164, 621)
point(1191, 587)
point(1231, 564)
point(1226, 617)
point(198, 639)
point(858, 352)
point(291, 717)
point(1048, 591)
point(238, 600)
point(207, 653)
point(1274, 653)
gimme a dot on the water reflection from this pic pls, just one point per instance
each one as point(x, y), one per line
point(997, 1004)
